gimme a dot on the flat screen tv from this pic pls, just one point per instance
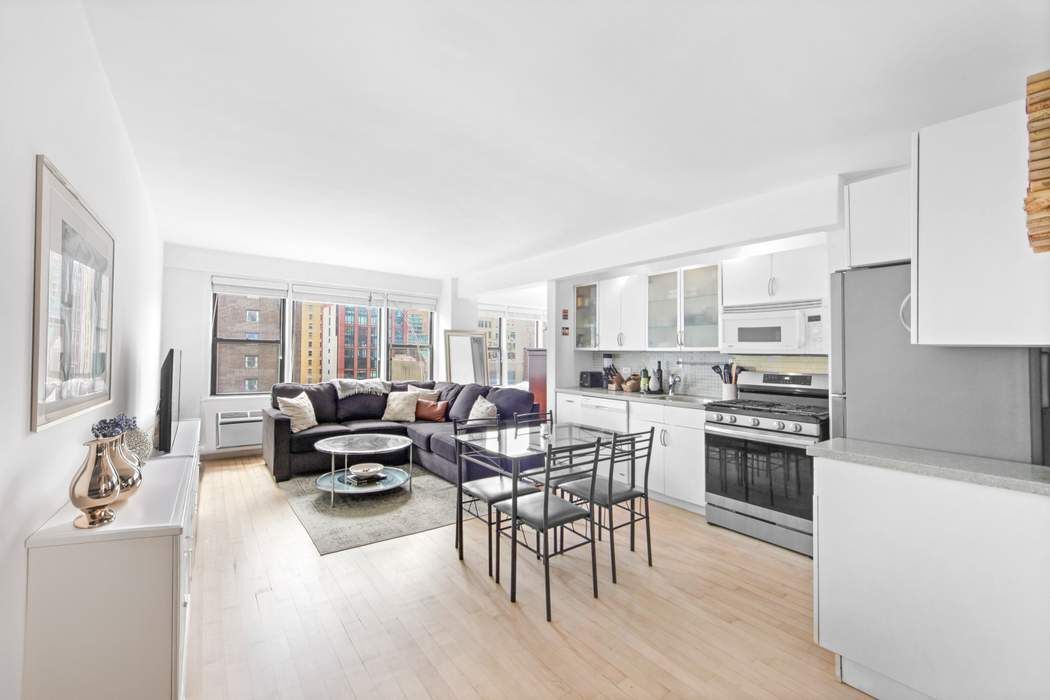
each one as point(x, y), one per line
point(170, 395)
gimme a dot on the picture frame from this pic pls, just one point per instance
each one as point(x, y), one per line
point(466, 357)
point(72, 303)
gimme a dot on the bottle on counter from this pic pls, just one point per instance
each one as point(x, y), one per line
point(644, 385)
point(656, 382)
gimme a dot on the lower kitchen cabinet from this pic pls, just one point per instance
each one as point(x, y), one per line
point(656, 460)
point(676, 469)
point(567, 408)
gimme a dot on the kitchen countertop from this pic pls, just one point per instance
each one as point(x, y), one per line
point(997, 473)
point(696, 402)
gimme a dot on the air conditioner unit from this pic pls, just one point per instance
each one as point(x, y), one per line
point(238, 429)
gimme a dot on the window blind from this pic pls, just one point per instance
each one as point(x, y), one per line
point(349, 296)
point(249, 287)
point(398, 300)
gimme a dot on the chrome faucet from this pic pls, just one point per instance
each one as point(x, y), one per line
point(673, 384)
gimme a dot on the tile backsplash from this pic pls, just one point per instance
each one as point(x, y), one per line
point(697, 377)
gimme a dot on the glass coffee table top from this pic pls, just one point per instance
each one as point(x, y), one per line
point(363, 444)
point(342, 483)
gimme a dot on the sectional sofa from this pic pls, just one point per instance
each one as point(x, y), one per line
point(288, 453)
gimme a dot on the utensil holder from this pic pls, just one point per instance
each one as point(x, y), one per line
point(728, 392)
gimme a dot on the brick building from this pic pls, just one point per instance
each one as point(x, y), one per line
point(247, 343)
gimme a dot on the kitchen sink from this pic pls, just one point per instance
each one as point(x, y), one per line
point(682, 398)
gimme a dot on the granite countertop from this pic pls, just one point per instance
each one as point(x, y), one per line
point(694, 402)
point(997, 473)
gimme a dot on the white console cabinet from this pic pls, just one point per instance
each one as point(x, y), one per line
point(107, 609)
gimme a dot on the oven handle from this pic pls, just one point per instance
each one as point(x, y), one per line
point(761, 436)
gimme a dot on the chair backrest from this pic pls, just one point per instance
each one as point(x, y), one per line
point(476, 425)
point(575, 462)
point(528, 420)
point(630, 449)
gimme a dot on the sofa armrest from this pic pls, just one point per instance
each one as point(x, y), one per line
point(277, 440)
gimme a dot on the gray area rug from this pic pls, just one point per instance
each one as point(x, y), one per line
point(361, 520)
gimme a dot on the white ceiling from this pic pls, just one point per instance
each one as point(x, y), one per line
point(431, 137)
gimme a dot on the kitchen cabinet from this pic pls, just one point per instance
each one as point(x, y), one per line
point(610, 414)
point(975, 280)
point(776, 278)
point(567, 408)
point(656, 459)
point(586, 316)
point(676, 467)
point(682, 309)
point(621, 313)
point(877, 219)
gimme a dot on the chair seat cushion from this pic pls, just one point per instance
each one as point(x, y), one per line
point(422, 434)
point(530, 510)
point(620, 491)
point(304, 440)
point(388, 427)
point(496, 488)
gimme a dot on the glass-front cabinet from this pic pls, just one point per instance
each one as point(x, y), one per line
point(586, 316)
point(662, 323)
point(683, 309)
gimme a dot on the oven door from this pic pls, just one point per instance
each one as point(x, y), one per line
point(763, 332)
point(769, 472)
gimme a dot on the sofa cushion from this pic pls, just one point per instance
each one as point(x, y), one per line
point(361, 406)
point(422, 434)
point(465, 401)
point(403, 386)
point(448, 391)
point(401, 406)
point(483, 408)
point(300, 410)
point(431, 410)
point(375, 426)
point(322, 396)
point(510, 401)
point(444, 444)
point(304, 440)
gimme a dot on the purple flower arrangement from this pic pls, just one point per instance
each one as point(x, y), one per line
point(112, 427)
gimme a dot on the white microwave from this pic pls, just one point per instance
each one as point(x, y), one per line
point(775, 329)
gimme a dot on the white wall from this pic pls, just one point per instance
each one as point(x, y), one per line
point(57, 102)
point(187, 314)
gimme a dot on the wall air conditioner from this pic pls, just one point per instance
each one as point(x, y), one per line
point(238, 429)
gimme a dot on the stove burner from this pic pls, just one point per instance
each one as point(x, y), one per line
point(771, 407)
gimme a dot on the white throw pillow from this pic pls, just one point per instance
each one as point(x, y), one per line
point(425, 394)
point(482, 408)
point(300, 410)
point(401, 406)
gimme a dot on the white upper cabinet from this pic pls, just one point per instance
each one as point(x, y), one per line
point(877, 219)
point(662, 311)
point(682, 309)
point(786, 276)
point(621, 313)
point(975, 280)
point(586, 318)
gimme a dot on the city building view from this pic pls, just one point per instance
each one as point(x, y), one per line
point(247, 343)
point(506, 339)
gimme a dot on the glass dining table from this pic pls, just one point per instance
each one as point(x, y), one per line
point(517, 452)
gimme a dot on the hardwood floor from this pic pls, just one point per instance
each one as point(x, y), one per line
point(720, 615)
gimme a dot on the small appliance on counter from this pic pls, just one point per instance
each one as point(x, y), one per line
point(759, 479)
point(592, 379)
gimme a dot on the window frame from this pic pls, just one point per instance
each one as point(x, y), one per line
point(215, 342)
point(502, 318)
point(389, 346)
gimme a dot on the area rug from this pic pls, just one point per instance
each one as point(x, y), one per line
point(359, 520)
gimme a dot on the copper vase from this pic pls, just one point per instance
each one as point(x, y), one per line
point(96, 485)
point(127, 467)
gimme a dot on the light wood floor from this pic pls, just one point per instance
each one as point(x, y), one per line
point(720, 615)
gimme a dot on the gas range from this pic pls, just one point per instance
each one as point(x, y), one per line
point(789, 403)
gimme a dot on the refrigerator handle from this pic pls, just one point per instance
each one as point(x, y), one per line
point(900, 313)
point(838, 416)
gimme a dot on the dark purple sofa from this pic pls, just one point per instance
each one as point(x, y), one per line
point(434, 449)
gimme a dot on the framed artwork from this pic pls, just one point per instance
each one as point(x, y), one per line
point(72, 303)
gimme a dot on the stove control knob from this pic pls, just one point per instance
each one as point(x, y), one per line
point(797, 427)
point(719, 417)
point(732, 419)
point(755, 421)
point(779, 425)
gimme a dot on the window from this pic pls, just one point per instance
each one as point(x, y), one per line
point(233, 345)
point(346, 341)
point(506, 341)
point(410, 347)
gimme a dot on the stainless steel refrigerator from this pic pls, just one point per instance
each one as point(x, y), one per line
point(988, 402)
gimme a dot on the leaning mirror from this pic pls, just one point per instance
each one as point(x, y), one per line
point(466, 359)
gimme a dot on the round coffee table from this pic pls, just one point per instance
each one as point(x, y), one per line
point(363, 444)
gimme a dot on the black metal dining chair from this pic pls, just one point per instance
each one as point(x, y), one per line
point(543, 511)
point(487, 490)
point(610, 494)
point(528, 420)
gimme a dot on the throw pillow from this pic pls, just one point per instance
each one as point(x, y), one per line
point(482, 408)
point(459, 409)
point(431, 410)
point(300, 410)
point(401, 406)
point(425, 394)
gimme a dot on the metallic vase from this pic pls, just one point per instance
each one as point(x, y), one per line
point(127, 467)
point(96, 485)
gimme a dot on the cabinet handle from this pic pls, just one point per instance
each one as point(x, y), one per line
point(769, 287)
point(900, 312)
point(663, 437)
